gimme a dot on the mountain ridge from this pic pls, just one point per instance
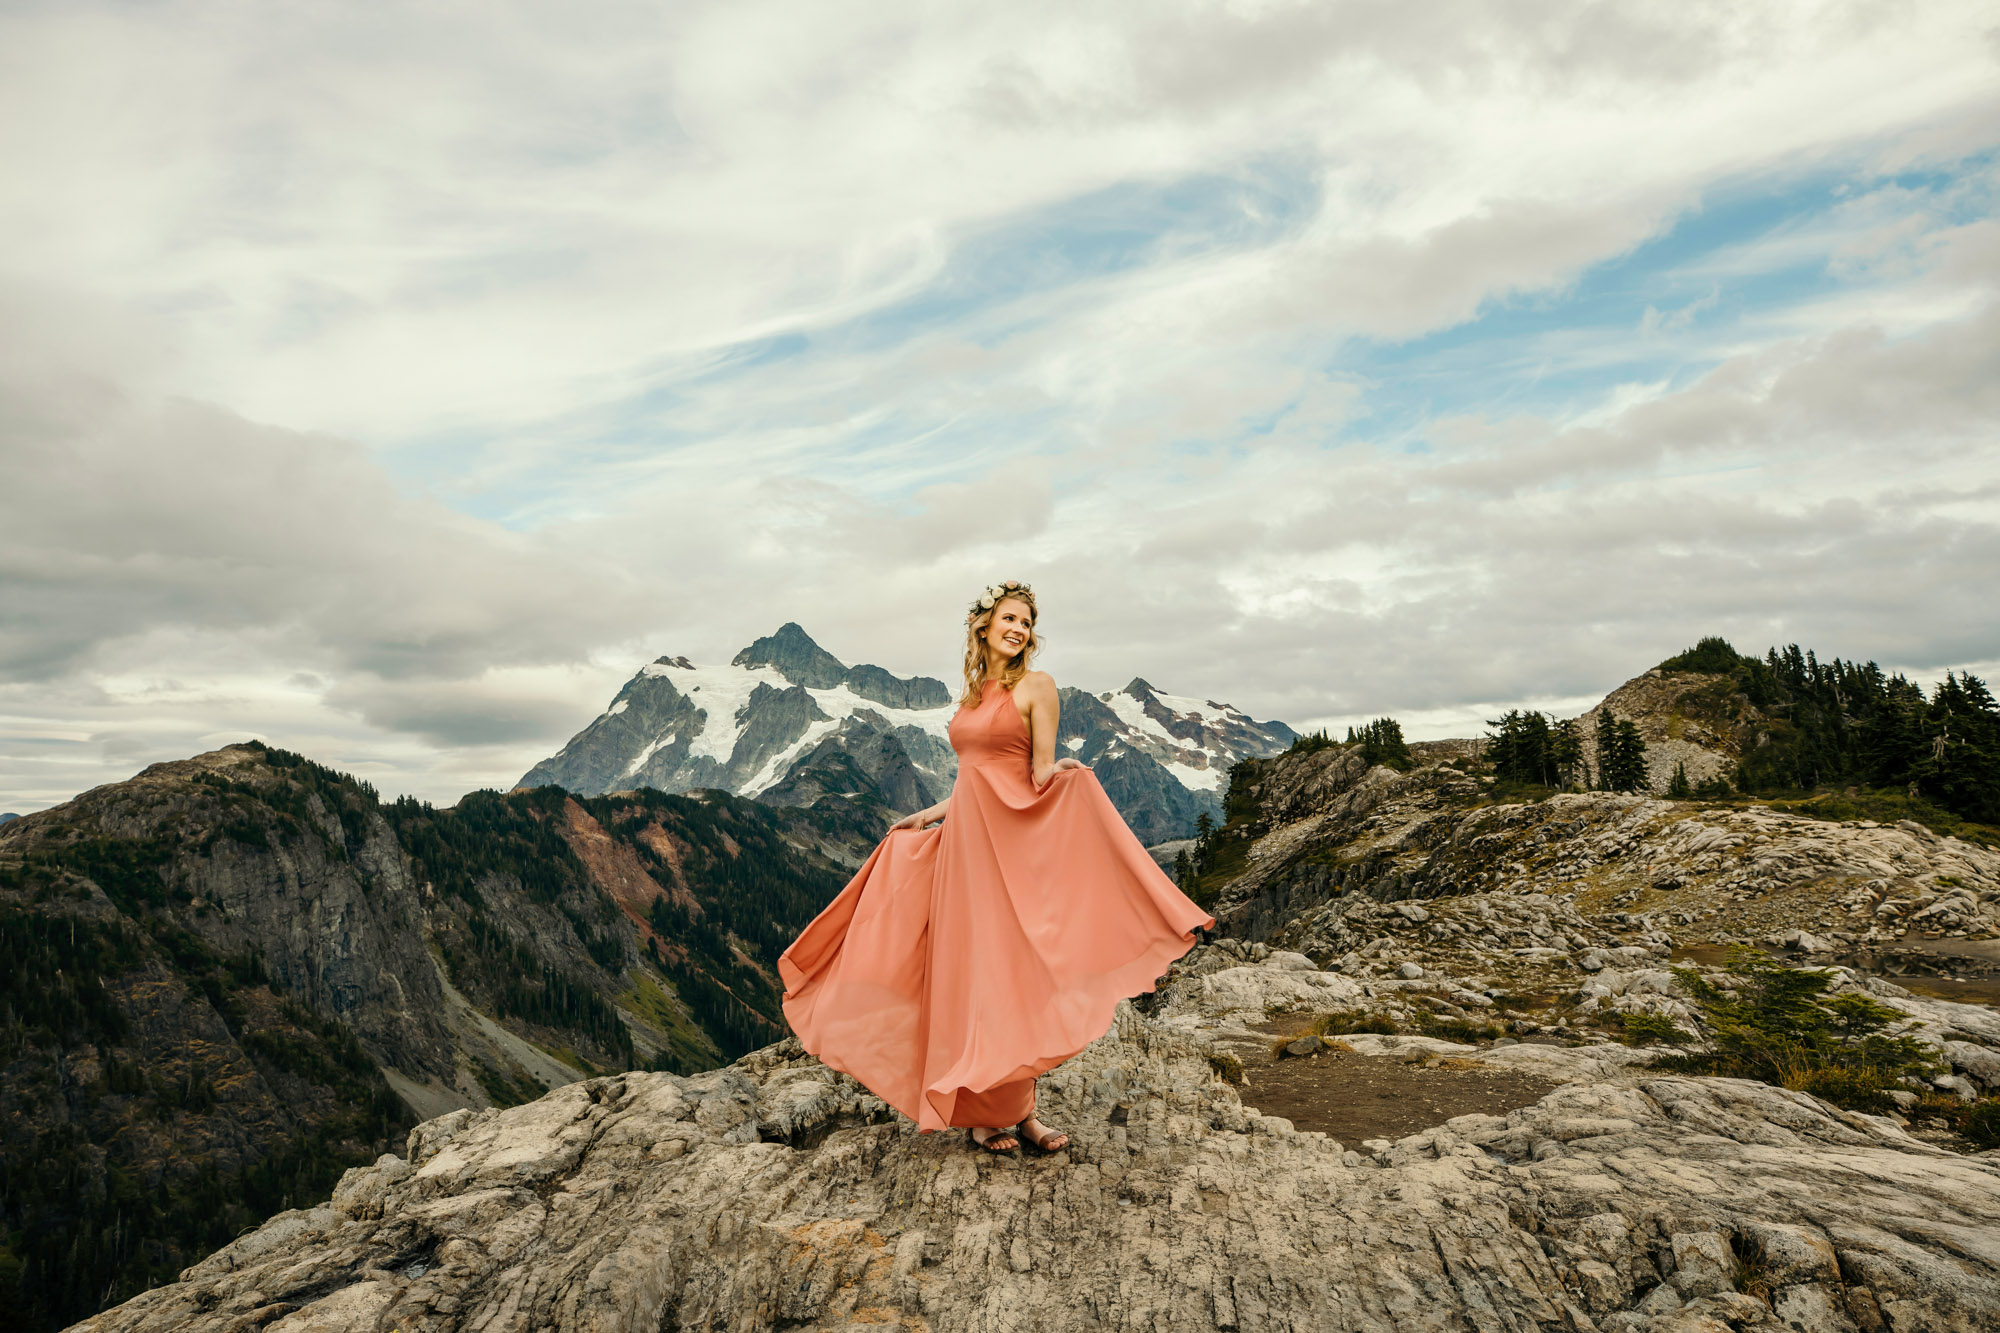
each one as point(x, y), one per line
point(788, 723)
point(227, 978)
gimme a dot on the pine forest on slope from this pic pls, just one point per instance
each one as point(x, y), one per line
point(229, 978)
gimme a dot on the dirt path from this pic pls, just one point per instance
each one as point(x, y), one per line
point(1355, 1098)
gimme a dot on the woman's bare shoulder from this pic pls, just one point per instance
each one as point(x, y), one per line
point(1038, 684)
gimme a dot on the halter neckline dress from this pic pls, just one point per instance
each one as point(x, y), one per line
point(966, 958)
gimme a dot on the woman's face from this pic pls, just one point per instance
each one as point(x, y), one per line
point(1012, 627)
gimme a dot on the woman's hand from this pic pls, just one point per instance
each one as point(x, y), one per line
point(1042, 780)
point(915, 821)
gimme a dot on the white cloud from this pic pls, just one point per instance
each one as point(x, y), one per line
point(391, 395)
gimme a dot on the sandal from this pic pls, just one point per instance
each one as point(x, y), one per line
point(1049, 1140)
point(997, 1141)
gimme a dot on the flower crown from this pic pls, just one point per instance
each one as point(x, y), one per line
point(995, 593)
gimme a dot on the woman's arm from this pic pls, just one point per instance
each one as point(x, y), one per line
point(1038, 691)
point(928, 815)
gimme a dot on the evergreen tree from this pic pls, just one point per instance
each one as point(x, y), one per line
point(1530, 747)
point(1204, 843)
point(1566, 754)
point(1621, 754)
point(1382, 743)
point(1679, 788)
point(1519, 749)
point(1310, 742)
point(1183, 868)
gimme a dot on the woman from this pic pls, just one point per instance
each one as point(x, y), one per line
point(968, 956)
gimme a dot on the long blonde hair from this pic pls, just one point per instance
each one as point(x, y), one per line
point(976, 622)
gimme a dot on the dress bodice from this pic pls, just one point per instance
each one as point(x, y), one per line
point(992, 733)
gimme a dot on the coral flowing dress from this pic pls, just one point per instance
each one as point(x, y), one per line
point(966, 958)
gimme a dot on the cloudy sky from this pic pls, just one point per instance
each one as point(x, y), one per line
point(389, 382)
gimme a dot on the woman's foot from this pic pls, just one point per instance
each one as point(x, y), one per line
point(995, 1140)
point(1039, 1134)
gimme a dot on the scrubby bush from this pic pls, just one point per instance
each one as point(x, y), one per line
point(1980, 1122)
point(1458, 1029)
point(1651, 1030)
point(1779, 1025)
point(1381, 742)
point(1341, 1022)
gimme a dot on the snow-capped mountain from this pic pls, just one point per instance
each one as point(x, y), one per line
point(789, 723)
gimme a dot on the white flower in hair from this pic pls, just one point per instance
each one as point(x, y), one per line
point(986, 601)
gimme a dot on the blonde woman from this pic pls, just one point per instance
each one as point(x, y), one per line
point(990, 937)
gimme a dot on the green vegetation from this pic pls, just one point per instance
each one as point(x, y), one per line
point(1621, 754)
point(1648, 1030)
point(752, 884)
point(1713, 656)
point(732, 1000)
point(52, 972)
point(518, 834)
point(144, 1169)
point(1312, 743)
point(1341, 1022)
point(1678, 787)
point(510, 1087)
point(1382, 742)
point(1837, 723)
point(1886, 807)
point(1457, 1029)
point(87, 1216)
point(1980, 1123)
point(1777, 1024)
point(1218, 855)
point(1534, 750)
point(689, 1047)
point(520, 985)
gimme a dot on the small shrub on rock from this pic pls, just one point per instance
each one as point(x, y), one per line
point(1651, 1030)
point(1778, 1025)
point(1458, 1029)
point(1343, 1021)
point(1980, 1123)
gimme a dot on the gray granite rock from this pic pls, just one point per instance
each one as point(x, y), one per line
point(775, 1193)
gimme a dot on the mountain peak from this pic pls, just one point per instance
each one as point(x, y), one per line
point(1139, 688)
point(792, 653)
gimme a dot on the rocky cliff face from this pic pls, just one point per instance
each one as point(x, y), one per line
point(231, 976)
point(1318, 826)
point(788, 723)
point(774, 1194)
point(1687, 718)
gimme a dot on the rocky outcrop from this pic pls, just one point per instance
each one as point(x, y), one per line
point(1325, 825)
point(1692, 719)
point(775, 1193)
